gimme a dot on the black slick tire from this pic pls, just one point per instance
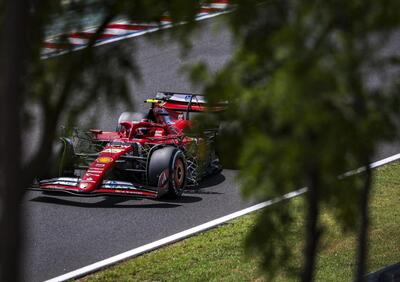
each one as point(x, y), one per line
point(171, 160)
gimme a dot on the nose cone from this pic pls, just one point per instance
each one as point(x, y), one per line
point(97, 169)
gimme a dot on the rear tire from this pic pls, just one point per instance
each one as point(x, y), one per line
point(167, 166)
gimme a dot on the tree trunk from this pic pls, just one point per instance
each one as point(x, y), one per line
point(313, 233)
point(12, 70)
point(362, 248)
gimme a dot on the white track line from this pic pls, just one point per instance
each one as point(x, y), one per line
point(372, 165)
point(197, 229)
point(171, 239)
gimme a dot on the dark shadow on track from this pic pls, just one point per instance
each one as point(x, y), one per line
point(184, 199)
point(211, 181)
point(201, 192)
point(208, 182)
point(108, 202)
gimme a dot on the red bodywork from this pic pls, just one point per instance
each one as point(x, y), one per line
point(165, 127)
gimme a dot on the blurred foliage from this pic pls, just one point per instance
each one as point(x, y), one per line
point(312, 92)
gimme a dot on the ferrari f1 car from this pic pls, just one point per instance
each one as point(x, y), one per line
point(149, 155)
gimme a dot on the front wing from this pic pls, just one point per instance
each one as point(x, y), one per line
point(108, 187)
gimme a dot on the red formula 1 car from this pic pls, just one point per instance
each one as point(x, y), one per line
point(149, 155)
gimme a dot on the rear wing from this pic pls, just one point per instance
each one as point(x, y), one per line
point(188, 102)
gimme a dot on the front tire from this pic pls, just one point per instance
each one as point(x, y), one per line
point(167, 166)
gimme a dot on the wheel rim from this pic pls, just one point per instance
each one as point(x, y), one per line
point(179, 173)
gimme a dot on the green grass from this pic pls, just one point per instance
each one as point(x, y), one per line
point(218, 255)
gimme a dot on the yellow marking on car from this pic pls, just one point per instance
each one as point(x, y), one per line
point(153, 101)
point(104, 160)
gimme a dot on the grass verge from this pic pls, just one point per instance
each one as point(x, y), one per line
point(218, 255)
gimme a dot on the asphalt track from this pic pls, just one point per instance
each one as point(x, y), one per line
point(66, 233)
